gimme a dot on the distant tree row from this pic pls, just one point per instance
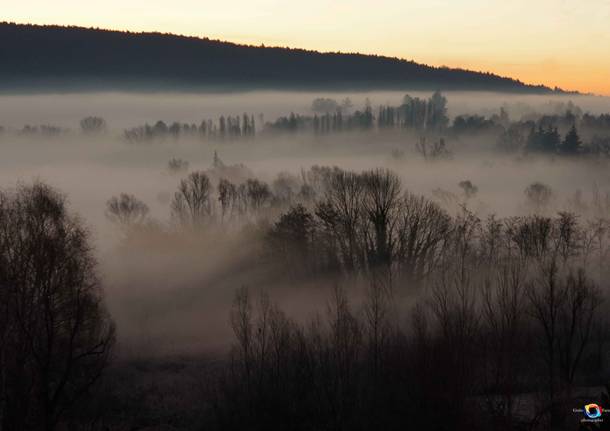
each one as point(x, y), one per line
point(44, 130)
point(569, 133)
point(199, 202)
point(414, 113)
point(544, 135)
point(229, 127)
point(549, 141)
point(323, 105)
point(88, 125)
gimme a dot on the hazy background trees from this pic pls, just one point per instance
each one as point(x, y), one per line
point(126, 210)
point(437, 275)
point(192, 205)
point(93, 125)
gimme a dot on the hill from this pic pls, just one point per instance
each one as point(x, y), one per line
point(74, 58)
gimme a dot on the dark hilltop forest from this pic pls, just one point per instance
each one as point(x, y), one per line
point(39, 58)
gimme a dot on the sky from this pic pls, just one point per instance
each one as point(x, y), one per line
point(563, 43)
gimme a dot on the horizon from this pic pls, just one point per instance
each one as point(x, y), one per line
point(262, 45)
point(560, 50)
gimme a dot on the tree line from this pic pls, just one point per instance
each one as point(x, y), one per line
point(144, 61)
point(569, 133)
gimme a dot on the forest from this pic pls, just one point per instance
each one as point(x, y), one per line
point(363, 263)
point(56, 58)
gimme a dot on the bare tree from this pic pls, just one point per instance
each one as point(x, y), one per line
point(291, 239)
point(192, 205)
point(532, 236)
point(503, 320)
point(227, 196)
point(345, 341)
point(377, 322)
point(423, 230)
point(437, 150)
point(455, 307)
point(243, 327)
point(546, 297)
point(126, 210)
point(93, 125)
point(258, 193)
point(578, 318)
point(568, 236)
point(57, 335)
point(381, 204)
point(341, 214)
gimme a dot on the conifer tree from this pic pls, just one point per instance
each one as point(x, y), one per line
point(571, 144)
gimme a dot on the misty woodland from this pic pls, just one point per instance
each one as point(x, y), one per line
point(437, 272)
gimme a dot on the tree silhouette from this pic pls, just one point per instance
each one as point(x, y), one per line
point(192, 204)
point(56, 336)
point(126, 210)
point(571, 144)
point(93, 125)
point(543, 140)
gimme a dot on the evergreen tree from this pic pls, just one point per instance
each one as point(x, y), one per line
point(571, 144)
point(552, 140)
point(543, 140)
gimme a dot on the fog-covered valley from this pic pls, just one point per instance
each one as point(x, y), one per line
point(346, 220)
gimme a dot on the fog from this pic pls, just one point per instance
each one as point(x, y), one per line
point(246, 239)
point(122, 110)
point(175, 299)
